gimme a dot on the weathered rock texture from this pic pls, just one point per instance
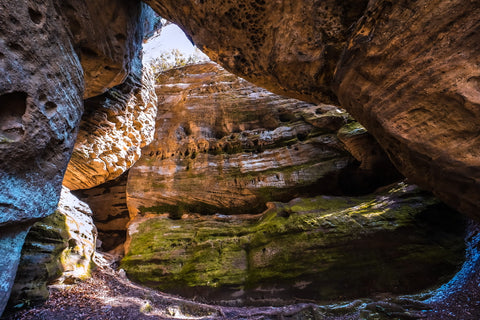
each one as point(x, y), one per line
point(110, 213)
point(114, 128)
point(51, 55)
point(224, 145)
point(108, 38)
point(40, 105)
point(323, 248)
point(288, 47)
point(411, 75)
point(409, 72)
point(58, 248)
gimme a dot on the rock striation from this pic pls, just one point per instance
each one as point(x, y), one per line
point(408, 71)
point(223, 145)
point(108, 203)
point(324, 248)
point(114, 128)
point(58, 248)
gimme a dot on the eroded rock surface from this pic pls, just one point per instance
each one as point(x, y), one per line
point(114, 128)
point(41, 91)
point(323, 248)
point(110, 213)
point(409, 72)
point(58, 248)
point(43, 66)
point(107, 37)
point(288, 47)
point(224, 145)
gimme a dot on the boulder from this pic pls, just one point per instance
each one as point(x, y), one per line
point(326, 248)
point(58, 248)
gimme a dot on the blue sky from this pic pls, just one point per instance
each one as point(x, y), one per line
point(170, 37)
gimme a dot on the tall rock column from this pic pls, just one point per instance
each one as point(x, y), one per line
point(41, 91)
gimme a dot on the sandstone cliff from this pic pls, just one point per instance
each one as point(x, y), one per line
point(52, 57)
point(223, 145)
point(408, 71)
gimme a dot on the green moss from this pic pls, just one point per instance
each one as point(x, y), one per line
point(330, 243)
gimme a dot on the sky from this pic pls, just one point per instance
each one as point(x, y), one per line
point(170, 37)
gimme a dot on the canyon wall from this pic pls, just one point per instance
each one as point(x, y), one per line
point(407, 71)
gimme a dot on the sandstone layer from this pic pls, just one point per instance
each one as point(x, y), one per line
point(223, 145)
point(114, 128)
point(408, 71)
point(324, 248)
point(58, 248)
point(110, 213)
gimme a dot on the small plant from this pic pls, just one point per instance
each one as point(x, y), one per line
point(170, 60)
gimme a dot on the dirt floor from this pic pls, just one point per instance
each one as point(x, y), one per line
point(110, 295)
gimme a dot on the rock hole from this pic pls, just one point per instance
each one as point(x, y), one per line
point(12, 107)
point(50, 108)
point(15, 46)
point(120, 37)
point(88, 52)
point(35, 15)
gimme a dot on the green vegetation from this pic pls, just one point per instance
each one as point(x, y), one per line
point(322, 245)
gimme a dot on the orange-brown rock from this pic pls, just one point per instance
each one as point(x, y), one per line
point(107, 38)
point(225, 145)
point(288, 47)
point(409, 72)
point(110, 213)
point(114, 128)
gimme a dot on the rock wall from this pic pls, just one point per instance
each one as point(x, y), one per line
point(408, 71)
point(411, 76)
point(223, 145)
point(53, 54)
point(288, 47)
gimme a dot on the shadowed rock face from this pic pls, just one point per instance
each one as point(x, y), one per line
point(41, 91)
point(58, 248)
point(288, 47)
point(107, 38)
point(324, 248)
point(45, 75)
point(409, 72)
